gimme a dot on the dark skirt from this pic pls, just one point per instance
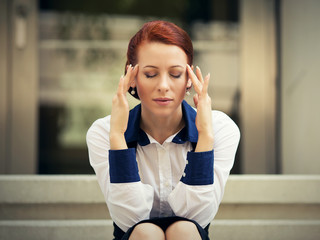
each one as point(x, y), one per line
point(163, 223)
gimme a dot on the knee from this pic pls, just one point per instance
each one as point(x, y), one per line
point(182, 230)
point(147, 231)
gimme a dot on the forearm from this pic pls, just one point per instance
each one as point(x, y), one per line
point(117, 141)
point(120, 111)
point(205, 142)
point(129, 200)
point(194, 196)
point(130, 203)
point(202, 210)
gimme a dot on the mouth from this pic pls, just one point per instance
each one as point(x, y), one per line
point(163, 101)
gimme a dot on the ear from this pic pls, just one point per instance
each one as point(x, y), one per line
point(133, 83)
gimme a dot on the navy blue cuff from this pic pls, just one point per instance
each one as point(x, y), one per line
point(199, 168)
point(123, 167)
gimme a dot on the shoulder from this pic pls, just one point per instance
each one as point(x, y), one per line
point(99, 128)
point(223, 125)
point(219, 117)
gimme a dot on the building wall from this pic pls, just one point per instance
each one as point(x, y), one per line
point(300, 80)
point(19, 85)
point(257, 81)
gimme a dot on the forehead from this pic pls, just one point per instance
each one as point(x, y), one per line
point(155, 53)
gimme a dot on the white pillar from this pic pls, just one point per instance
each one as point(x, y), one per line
point(3, 83)
point(19, 77)
point(258, 89)
point(300, 96)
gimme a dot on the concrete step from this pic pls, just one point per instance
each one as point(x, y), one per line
point(79, 197)
point(103, 229)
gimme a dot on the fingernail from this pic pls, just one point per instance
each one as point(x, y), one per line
point(198, 68)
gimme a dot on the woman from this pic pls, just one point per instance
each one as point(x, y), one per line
point(154, 164)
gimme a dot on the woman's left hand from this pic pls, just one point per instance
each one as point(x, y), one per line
point(202, 102)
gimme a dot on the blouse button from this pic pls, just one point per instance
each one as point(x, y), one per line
point(184, 174)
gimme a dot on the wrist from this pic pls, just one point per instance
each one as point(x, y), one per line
point(205, 142)
point(117, 141)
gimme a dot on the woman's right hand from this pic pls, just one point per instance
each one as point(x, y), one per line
point(120, 110)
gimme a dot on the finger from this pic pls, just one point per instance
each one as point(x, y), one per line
point(133, 75)
point(206, 84)
point(127, 78)
point(196, 100)
point(195, 81)
point(199, 74)
point(120, 86)
point(135, 70)
point(129, 65)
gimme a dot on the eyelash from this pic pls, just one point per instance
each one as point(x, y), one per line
point(174, 76)
point(150, 76)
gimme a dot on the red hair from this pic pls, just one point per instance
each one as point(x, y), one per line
point(159, 31)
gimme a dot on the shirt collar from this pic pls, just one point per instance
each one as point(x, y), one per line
point(134, 134)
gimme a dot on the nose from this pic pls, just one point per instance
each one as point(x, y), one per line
point(163, 84)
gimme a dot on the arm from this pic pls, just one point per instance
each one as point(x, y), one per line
point(129, 201)
point(120, 111)
point(199, 193)
point(196, 197)
point(203, 104)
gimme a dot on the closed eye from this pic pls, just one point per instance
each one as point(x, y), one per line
point(175, 76)
point(150, 75)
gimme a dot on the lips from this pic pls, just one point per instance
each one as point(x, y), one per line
point(162, 101)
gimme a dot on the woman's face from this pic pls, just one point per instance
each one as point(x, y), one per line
point(162, 78)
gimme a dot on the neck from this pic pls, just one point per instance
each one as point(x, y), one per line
point(160, 128)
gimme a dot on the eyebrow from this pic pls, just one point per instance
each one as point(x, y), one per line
point(151, 66)
point(179, 66)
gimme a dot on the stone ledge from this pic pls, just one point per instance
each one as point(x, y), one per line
point(102, 229)
point(265, 229)
point(48, 197)
point(240, 189)
point(273, 189)
point(29, 189)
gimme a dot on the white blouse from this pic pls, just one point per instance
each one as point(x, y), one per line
point(150, 180)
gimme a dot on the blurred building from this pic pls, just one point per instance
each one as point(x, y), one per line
point(59, 70)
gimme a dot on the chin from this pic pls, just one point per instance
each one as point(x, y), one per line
point(164, 112)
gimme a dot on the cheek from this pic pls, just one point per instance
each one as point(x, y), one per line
point(184, 83)
point(142, 86)
point(181, 88)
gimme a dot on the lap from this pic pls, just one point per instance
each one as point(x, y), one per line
point(163, 223)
